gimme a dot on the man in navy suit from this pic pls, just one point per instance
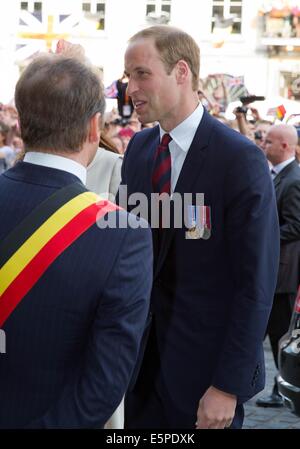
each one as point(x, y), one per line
point(74, 293)
point(280, 147)
point(213, 279)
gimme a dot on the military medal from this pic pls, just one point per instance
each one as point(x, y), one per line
point(199, 223)
point(206, 222)
point(194, 230)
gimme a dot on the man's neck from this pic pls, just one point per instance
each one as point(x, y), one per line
point(184, 110)
point(82, 157)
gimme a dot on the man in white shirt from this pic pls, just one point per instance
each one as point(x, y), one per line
point(211, 297)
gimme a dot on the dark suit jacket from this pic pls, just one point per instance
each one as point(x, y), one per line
point(73, 340)
point(211, 299)
point(287, 187)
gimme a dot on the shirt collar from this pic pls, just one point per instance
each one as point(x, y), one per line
point(184, 133)
point(58, 162)
point(277, 168)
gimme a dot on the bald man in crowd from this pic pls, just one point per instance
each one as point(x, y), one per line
point(280, 147)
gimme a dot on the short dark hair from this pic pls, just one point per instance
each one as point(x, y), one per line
point(55, 98)
point(173, 44)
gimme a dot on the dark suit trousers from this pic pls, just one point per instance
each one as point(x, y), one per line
point(149, 405)
point(279, 320)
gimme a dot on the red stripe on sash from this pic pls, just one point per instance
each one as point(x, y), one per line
point(32, 272)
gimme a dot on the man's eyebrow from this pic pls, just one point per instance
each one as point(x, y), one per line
point(140, 67)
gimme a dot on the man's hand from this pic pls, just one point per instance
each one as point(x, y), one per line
point(75, 51)
point(216, 409)
point(255, 114)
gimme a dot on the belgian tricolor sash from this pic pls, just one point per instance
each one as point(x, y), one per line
point(41, 237)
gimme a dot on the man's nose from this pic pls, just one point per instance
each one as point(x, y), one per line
point(131, 87)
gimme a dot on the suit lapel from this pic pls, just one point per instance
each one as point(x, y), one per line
point(188, 176)
point(153, 144)
point(284, 173)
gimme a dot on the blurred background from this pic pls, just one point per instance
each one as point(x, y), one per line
point(250, 51)
point(244, 43)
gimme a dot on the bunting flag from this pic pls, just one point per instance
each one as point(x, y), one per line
point(236, 81)
point(111, 91)
point(278, 112)
point(224, 88)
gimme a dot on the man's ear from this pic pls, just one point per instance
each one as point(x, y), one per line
point(94, 132)
point(182, 71)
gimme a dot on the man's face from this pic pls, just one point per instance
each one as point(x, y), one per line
point(154, 93)
point(273, 147)
point(261, 130)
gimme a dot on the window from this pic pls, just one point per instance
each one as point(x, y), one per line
point(37, 7)
point(86, 7)
point(150, 8)
point(158, 11)
point(101, 12)
point(94, 11)
point(227, 12)
point(31, 6)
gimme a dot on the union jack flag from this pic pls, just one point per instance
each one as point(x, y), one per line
point(39, 32)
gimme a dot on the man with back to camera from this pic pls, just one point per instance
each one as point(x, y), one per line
point(212, 293)
point(74, 295)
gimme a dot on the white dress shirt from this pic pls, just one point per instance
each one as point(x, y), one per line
point(58, 162)
point(182, 137)
point(277, 168)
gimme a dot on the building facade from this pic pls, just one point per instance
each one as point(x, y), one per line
point(247, 38)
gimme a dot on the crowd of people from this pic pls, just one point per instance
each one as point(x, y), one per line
point(173, 318)
point(11, 144)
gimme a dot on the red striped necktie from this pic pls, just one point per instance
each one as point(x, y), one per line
point(161, 176)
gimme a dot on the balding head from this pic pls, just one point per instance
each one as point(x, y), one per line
point(56, 98)
point(280, 143)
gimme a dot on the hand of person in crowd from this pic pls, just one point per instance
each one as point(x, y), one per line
point(70, 50)
point(255, 114)
point(216, 409)
point(242, 122)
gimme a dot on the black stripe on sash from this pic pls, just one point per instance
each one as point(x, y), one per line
point(36, 218)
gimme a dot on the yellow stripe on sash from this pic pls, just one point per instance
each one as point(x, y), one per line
point(13, 267)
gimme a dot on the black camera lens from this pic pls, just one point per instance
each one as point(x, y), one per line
point(242, 109)
point(258, 135)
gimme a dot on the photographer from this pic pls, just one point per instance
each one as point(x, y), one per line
point(246, 127)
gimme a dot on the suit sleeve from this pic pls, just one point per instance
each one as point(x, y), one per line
point(290, 213)
point(115, 179)
point(252, 239)
point(121, 197)
point(96, 389)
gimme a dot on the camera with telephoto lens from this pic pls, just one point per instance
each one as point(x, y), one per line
point(247, 100)
point(250, 99)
